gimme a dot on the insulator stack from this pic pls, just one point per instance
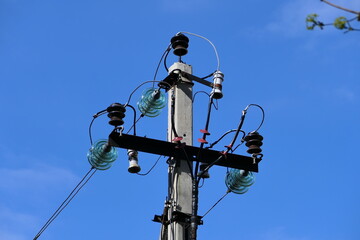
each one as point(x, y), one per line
point(218, 78)
point(239, 181)
point(152, 102)
point(180, 43)
point(133, 161)
point(254, 142)
point(101, 155)
point(116, 113)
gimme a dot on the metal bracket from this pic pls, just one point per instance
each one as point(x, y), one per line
point(170, 149)
point(177, 216)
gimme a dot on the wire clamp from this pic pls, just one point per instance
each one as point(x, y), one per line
point(257, 157)
point(119, 130)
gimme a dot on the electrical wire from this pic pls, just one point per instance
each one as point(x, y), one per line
point(216, 53)
point(130, 96)
point(141, 116)
point(215, 106)
point(166, 52)
point(165, 59)
point(134, 122)
point(204, 136)
point(263, 114)
point(227, 192)
point(153, 166)
point(92, 121)
point(217, 141)
point(69, 198)
point(172, 114)
point(242, 142)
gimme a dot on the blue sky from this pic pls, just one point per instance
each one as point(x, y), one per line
point(63, 61)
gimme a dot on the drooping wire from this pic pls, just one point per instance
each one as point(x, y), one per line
point(134, 120)
point(69, 198)
point(263, 114)
point(217, 141)
point(216, 53)
point(211, 74)
point(227, 192)
point(166, 52)
point(202, 182)
point(141, 116)
point(92, 121)
point(153, 166)
point(216, 106)
point(165, 59)
point(241, 143)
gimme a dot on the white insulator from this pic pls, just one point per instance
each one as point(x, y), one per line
point(218, 78)
point(133, 161)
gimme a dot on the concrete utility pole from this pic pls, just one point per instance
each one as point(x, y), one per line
point(180, 180)
point(179, 220)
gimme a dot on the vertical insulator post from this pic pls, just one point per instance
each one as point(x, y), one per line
point(133, 161)
point(218, 78)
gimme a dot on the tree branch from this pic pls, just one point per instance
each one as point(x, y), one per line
point(342, 8)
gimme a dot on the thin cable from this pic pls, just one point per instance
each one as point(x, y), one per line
point(202, 183)
point(134, 122)
point(242, 142)
point(172, 114)
point(216, 53)
point(227, 192)
point(189, 164)
point(215, 106)
point(65, 202)
point(141, 116)
point(217, 141)
point(165, 59)
point(263, 114)
point(92, 121)
point(157, 68)
point(153, 166)
point(204, 135)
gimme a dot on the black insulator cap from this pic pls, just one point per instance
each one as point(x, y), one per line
point(116, 113)
point(180, 43)
point(253, 142)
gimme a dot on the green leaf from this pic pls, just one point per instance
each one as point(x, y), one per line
point(340, 23)
point(312, 18)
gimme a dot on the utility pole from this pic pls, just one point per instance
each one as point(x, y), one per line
point(180, 129)
point(179, 220)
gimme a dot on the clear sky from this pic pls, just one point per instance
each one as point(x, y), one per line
point(63, 61)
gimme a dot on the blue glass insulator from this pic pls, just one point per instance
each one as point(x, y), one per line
point(152, 102)
point(239, 181)
point(101, 156)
